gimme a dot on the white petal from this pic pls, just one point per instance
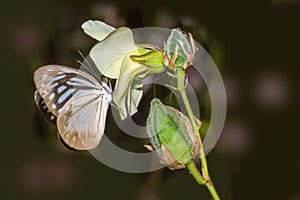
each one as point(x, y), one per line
point(97, 29)
point(129, 88)
point(109, 54)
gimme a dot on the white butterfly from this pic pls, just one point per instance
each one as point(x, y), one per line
point(75, 101)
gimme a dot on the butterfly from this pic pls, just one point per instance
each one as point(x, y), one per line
point(75, 101)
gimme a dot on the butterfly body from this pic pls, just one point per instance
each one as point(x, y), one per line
point(75, 101)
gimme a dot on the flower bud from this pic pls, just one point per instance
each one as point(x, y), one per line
point(171, 135)
point(152, 59)
point(179, 50)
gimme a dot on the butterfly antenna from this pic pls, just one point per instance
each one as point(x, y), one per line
point(84, 59)
point(87, 65)
point(84, 65)
point(86, 68)
point(113, 105)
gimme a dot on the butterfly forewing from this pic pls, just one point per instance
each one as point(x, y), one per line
point(78, 101)
point(56, 84)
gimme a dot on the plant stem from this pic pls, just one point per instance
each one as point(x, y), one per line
point(180, 86)
point(207, 181)
point(212, 190)
point(194, 171)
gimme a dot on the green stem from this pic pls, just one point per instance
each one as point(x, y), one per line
point(212, 190)
point(180, 86)
point(194, 171)
point(208, 183)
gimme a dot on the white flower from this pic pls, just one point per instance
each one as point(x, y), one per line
point(118, 57)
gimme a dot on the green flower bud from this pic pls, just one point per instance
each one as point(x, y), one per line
point(179, 50)
point(171, 135)
point(153, 59)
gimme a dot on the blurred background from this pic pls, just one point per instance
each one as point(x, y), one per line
point(255, 45)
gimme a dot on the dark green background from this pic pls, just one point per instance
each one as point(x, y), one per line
point(252, 43)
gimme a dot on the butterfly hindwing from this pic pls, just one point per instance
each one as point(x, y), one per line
point(78, 101)
point(82, 120)
point(44, 109)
